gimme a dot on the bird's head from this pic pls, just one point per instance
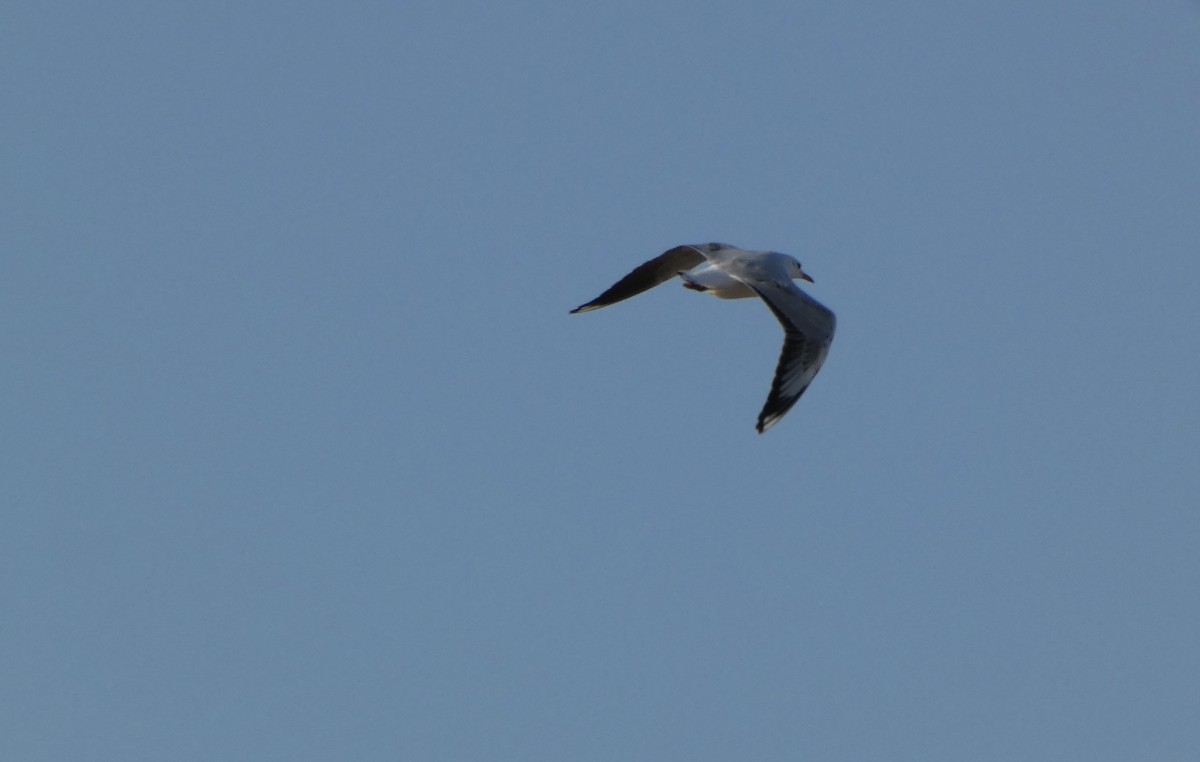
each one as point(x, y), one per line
point(796, 271)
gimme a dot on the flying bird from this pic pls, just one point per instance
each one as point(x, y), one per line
point(728, 272)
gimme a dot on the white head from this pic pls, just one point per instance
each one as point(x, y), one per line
point(793, 267)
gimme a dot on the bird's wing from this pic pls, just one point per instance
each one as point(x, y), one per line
point(647, 275)
point(808, 328)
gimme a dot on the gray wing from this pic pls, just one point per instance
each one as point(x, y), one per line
point(646, 276)
point(807, 332)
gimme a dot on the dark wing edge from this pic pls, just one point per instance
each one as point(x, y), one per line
point(646, 276)
point(804, 350)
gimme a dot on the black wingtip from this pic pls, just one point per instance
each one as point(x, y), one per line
point(767, 421)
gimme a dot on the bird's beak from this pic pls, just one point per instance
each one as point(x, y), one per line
point(804, 276)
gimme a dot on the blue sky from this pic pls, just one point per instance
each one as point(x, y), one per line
point(305, 459)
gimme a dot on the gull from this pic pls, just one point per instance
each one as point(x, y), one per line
point(728, 272)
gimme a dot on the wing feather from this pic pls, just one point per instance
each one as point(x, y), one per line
point(646, 276)
point(808, 328)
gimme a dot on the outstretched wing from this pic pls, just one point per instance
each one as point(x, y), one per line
point(808, 328)
point(646, 276)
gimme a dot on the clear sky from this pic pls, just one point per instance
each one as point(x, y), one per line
point(304, 459)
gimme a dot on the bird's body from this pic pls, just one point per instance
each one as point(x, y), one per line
point(728, 272)
point(710, 279)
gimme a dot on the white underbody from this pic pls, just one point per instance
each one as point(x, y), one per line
point(717, 282)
